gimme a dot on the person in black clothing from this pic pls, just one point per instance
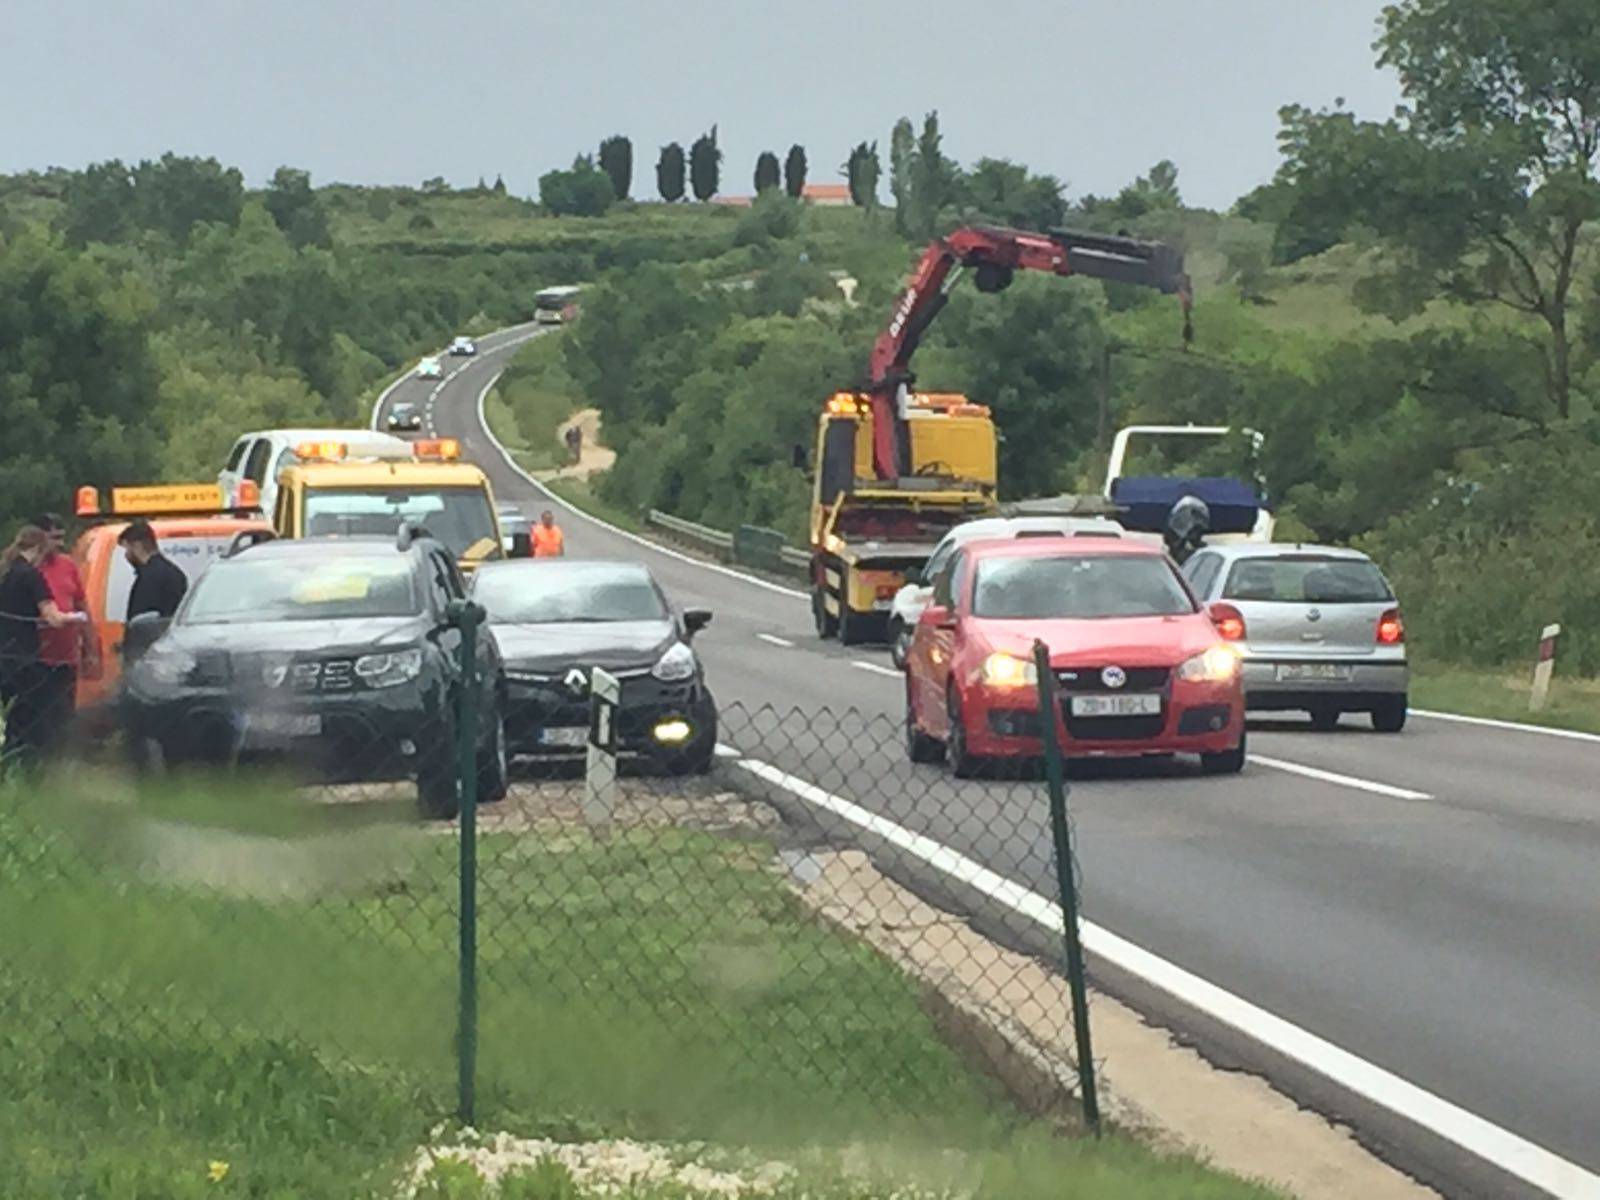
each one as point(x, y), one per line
point(24, 603)
point(159, 584)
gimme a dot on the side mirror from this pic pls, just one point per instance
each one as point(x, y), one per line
point(141, 633)
point(937, 616)
point(520, 545)
point(695, 619)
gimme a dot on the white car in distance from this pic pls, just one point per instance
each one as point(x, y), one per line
point(430, 368)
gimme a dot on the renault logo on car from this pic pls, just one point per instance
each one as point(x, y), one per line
point(576, 681)
point(1113, 677)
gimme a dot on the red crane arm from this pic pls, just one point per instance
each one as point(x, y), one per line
point(996, 254)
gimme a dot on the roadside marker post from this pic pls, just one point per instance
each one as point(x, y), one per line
point(600, 770)
point(467, 616)
point(1049, 704)
point(1545, 668)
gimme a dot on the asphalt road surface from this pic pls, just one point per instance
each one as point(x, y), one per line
point(1428, 901)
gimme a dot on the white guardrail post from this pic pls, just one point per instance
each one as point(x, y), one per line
point(1545, 668)
point(600, 769)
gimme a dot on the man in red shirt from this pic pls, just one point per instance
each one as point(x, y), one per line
point(72, 648)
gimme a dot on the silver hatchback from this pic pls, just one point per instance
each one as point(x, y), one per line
point(1319, 629)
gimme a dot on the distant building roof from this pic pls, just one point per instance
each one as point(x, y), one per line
point(826, 193)
point(734, 201)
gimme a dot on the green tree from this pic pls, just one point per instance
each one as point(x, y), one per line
point(774, 215)
point(669, 173)
point(1480, 187)
point(77, 382)
point(295, 207)
point(616, 160)
point(1004, 192)
point(705, 165)
point(902, 166)
point(794, 171)
point(1033, 354)
point(639, 338)
point(100, 205)
point(767, 172)
point(581, 191)
point(499, 185)
point(1246, 252)
point(437, 186)
point(174, 194)
point(862, 171)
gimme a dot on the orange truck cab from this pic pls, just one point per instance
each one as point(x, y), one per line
point(193, 525)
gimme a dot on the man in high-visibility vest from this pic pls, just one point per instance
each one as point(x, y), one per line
point(547, 541)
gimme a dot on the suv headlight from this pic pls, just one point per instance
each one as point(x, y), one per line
point(676, 665)
point(1219, 664)
point(167, 666)
point(387, 670)
point(1002, 670)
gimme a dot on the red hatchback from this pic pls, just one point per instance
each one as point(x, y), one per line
point(1141, 668)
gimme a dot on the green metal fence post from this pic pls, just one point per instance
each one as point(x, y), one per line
point(467, 616)
point(1067, 884)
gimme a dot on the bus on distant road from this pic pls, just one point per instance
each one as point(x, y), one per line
point(556, 305)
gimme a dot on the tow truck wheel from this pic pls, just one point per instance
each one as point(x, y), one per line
point(827, 624)
point(851, 625)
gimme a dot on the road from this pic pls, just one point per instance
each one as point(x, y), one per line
point(1428, 902)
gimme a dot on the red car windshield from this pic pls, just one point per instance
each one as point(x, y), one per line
point(1078, 587)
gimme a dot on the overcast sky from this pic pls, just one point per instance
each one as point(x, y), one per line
point(395, 91)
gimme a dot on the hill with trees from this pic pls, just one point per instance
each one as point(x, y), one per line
point(1407, 311)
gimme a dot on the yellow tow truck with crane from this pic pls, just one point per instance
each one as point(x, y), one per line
point(895, 469)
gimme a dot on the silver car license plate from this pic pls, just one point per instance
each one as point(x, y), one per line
point(576, 736)
point(1137, 705)
point(1314, 672)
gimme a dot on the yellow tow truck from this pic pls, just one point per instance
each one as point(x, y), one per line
point(867, 533)
point(331, 492)
point(896, 468)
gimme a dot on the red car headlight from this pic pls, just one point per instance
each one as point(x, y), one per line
point(1219, 664)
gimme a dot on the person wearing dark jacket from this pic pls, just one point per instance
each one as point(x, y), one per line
point(159, 584)
point(25, 604)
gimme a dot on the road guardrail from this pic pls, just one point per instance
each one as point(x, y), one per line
point(749, 545)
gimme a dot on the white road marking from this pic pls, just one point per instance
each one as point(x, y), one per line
point(632, 537)
point(1516, 1155)
point(875, 668)
point(1349, 781)
point(1576, 735)
point(776, 640)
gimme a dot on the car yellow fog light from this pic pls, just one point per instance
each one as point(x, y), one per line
point(672, 731)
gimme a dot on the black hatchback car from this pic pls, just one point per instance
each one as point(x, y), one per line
point(333, 656)
point(556, 619)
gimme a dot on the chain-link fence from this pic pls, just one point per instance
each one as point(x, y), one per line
point(784, 934)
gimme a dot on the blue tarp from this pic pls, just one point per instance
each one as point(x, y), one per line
point(1146, 500)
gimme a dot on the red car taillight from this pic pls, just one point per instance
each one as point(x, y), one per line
point(1229, 622)
point(1391, 629)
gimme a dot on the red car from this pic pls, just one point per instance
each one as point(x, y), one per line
point(1141, 667)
